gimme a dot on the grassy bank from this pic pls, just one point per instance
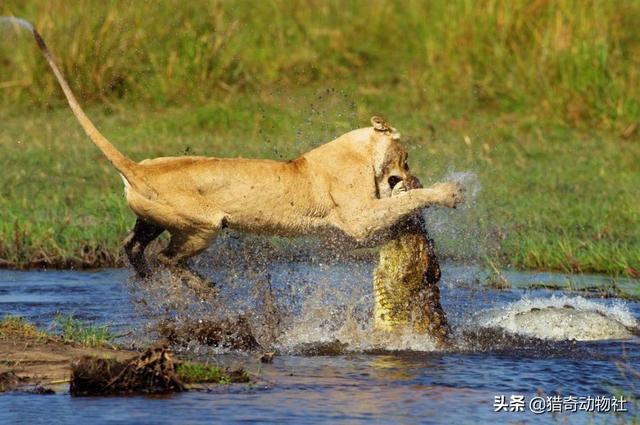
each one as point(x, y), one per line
point(66, 329)
point(552, 197)
point(538, 99)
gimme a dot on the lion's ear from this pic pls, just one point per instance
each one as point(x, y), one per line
point(379, 124)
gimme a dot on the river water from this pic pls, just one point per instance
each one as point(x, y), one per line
point(371, 380)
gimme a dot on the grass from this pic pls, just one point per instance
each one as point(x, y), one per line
point(66, 327)
point(83, 333)
point(494, 277)
point(572, 60)
point(532, 97)
point(552, 197)
point(16, 327)
point(190, 373)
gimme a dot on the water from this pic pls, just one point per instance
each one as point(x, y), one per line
point(367, 383)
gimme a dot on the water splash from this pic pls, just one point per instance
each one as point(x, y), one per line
point(461, 233)
point(470, 184)
point(302, 306)
point(321, 116)
point(562, 318)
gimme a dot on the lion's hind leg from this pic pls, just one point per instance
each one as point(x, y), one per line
point(184, 244)
point(142, 235)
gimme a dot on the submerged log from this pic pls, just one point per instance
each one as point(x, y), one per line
point(405, 282)
point(9, 381)
point(151, 372)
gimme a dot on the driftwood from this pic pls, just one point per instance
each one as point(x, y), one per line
point(9, 381)
point(151, 372)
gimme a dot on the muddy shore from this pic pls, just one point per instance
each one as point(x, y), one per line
point(26, 362)
point(43, 365)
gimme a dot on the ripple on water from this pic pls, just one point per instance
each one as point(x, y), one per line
point(324, 302)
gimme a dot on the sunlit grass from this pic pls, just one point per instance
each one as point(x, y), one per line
point(15, 327)
point(77, 331)
point(569, 60)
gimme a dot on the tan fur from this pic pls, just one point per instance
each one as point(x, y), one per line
point(341, 188)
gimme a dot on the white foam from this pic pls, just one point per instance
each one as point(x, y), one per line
point(356, 337)
point(549, 318)
point(353, 326)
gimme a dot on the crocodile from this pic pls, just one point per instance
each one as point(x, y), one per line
point(405, 281)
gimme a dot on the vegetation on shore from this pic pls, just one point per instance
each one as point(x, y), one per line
point(576, 61)
point(33, 359)
point(66, 328)
point(204, 373)
point(15, 327)
point(539, 99)
point(86, 334)
point(551, 197)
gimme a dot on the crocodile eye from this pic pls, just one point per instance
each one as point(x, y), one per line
point(394, 180)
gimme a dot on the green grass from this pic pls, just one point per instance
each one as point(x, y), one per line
point(65, 327)
point(577, 61)
point(552, 197)
point(530, 96)
point(13, 327)
point(200, 373)
point(86, 334)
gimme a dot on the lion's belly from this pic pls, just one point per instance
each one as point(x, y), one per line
point(277, 222)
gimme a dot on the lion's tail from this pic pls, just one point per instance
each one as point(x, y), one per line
point(124, 165)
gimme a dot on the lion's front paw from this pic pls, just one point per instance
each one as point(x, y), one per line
point(451, 194)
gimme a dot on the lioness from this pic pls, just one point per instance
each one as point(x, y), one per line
point(340, 188)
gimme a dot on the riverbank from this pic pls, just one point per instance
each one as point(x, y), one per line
point(36, 361)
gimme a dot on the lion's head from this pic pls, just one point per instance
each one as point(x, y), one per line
point(390, 160)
